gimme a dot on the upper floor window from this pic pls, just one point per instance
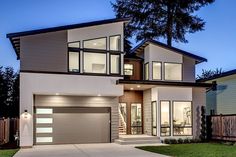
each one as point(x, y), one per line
point(114, 63)
point(95, 62)
point(146, 70)
point(100, 43)
point(75, 44)
point(173, 71)
point(74, 61)
point(128, 69)
point(156, 70)
point(115, 43)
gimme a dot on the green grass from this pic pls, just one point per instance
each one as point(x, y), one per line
point(194, 150)
point(8, 152)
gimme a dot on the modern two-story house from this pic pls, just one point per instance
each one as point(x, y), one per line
point(77, 85)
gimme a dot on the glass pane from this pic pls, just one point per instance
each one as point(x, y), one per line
point(173, 71)
point(43, 139)
point(165, 118)
point(122, 118)
point(128, 69)
point(44, 130)
point(154, 118)
point(115, 64)
point(115, 43)
point(94, 62)
point(74, 61)
point(136, 118)
point(156, 71)
point(43, 120)
point(96, 44)
point(74, 44)
point(146, 71)
point(182, 118)
point(44, 111)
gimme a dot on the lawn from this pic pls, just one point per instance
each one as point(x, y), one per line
point(194, 150)
point(8, 152)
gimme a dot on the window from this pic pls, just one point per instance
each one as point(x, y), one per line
point(182, 118)
point(146, 69)
point(74, 44)
point(128, 69)
point(136, 118)
point(100, 44)
point(154, 118)
point(114, 64)
point(74, 61)
point(115, 44)
point(43, 120)
point(156, 70)
point(94, 62)
point(44, 111)
point(165, 118)
point(173, 71)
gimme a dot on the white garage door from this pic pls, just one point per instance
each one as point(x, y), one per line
point(72, 125)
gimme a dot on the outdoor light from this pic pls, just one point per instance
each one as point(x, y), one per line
point(26, 114)
point(99, 94)
point(131, 88)
point(138, 86)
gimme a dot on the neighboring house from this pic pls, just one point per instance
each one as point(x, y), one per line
point(77, 85)
point(222, 98)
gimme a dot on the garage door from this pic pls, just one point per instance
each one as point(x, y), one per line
point(72, 125)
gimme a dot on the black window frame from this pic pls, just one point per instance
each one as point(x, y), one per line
point(173, 63)
point(95, 48)
point(170, 123)
point(154, 127)
point(115, 54)
point(68, 58)
point(119, 50)
point(153, 70)
point(146, 64)
point(129, 69)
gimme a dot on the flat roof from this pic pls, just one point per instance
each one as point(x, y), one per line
point(224, 74)
point(143, 44)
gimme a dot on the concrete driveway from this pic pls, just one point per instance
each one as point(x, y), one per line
point(85, 150)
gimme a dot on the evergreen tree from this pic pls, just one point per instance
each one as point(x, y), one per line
point(153, 19)
point(203, 124)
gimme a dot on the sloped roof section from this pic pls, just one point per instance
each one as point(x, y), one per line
point(15, 37)
point(143, 44)
point(224, 74)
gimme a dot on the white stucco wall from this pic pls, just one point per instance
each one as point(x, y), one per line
point(50, 84)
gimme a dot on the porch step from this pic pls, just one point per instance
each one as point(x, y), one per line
point(136, 139)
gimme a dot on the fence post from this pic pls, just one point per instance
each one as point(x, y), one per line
point(209, 127)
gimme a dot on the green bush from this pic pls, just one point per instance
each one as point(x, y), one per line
point(167, 141)
point(173, 141)
point(186, 140)
point(180, 141)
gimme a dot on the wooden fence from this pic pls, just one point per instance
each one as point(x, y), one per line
point(223, 127)
point(8, 129)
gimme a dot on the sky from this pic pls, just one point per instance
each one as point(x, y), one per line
point(217, 42)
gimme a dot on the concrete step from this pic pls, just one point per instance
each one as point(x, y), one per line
point(138, 137)
point(132, 142)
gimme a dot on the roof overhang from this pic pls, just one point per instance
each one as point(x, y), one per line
point(140, 49)
point(15, 37)
point(147, 84)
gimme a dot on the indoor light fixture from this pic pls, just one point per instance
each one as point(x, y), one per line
point(57, 93)
point(99, 94)
point(138, 86)
point(131, 88)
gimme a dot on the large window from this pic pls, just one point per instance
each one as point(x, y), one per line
point(94, 62)
point(173, 71)
point(156, 70)
point(136, 118)
point(165, 118)
point(182, 118)
point(114, 63)
point(128, 69)
point(115, 43)
point(100, 43)
point(74, 61)
point(154, 118)
point(146, 70)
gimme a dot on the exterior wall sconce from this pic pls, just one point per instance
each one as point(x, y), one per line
point(26, 114)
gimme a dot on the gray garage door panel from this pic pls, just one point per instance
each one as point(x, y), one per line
point(80, 125)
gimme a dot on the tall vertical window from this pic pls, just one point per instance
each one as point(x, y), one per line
point(95, 62)
point(146, 70)
point(100, 43)
point(128, 69)
point(136, 118)
point(156, 70)
point(154, 118)
point(173, 71)
point(182, 118)
point(114, 64)
point(74, 61)
point(165, 118)
point(115, 43)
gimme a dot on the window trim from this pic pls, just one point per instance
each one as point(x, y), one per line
point(90, 72)
point(152, 117)
point(68, 62)
point(191, 117)
point(119, 50)
point(164, 73)
point(160, 71)
point(116, 54)
point(132, 69)
point(147, 63)
point(94, 39)
point(169, 118)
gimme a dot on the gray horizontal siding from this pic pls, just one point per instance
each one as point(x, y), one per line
point(44, 52)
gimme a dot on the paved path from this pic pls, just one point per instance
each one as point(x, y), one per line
point(85, 150)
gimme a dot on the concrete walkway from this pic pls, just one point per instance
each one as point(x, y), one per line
point(85, 150)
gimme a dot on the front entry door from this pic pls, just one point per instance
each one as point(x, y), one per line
point(136, 118)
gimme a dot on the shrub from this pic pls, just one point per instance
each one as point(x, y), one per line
point(186, 140)
point(173, 141)
point(180, 141)
point(167, 141)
